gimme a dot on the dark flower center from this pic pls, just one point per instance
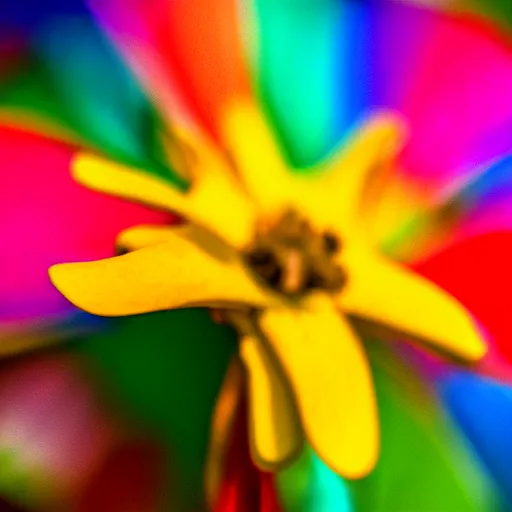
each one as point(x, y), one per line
point(293, 259)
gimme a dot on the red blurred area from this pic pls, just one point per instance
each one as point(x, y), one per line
point(130, 481)
point(47, 218)
point(244, 487)
point(9, 507)
point(478, 272)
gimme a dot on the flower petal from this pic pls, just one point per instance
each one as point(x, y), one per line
point(329, 374)
point(139, 237)
point(257, 157)
point(173, 275)
point(336, 195)
point(398, 299)
point(486, 258)
point(275, 432)
point(79, 226)
point(233, 222)
point(425, 464)
point(212, 180)
point(136, 185)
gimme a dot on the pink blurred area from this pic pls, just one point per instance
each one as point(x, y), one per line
point(48, 415)
point(60, 437)
point(452, 84)
point(47, 219)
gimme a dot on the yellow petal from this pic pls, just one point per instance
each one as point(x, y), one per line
point(399, 202)
point(139, 237)
point(371, 146)
point(275, 433)
point(223, 416)
point(234, 221)
point(257, 158)
point(402, 301)
point(335, 195)
point(194, 154)
point(330, 377)
point(103, 175)
point(173, 275)
point(177, 154)
point(217, 197)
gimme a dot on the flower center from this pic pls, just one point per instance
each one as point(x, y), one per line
point(293, 259)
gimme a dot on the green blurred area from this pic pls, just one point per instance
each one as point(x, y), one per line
point(165, 370)
point(423, 465)
point(500, 11)
point(31, 90)
point(15, 483)
point(56, 79)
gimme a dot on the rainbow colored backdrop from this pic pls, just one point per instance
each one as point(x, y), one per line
point(108, 75)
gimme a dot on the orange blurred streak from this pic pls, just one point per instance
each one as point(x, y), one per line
point(222, 425)
point(202, 42)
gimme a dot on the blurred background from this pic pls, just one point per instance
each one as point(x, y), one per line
point(114, 415)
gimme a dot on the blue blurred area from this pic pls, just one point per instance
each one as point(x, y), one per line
point(315, 77)
point(105, 101)
point(494, 184)
point(483, 409)
point(25, 15)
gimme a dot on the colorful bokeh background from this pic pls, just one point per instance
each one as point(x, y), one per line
point(114, 416)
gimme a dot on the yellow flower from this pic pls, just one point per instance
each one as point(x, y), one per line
point(285, 258)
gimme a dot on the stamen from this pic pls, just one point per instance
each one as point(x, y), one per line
point(331, 243)
point(293, 259)
point(292, 282)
